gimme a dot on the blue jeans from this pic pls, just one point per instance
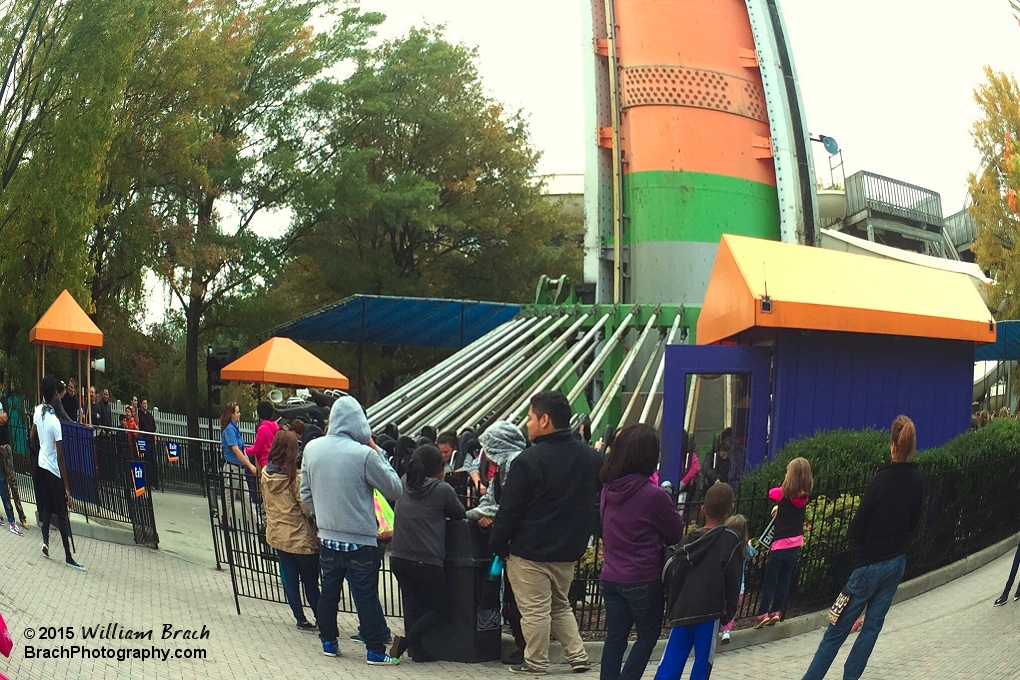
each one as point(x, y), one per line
point(871, 586)
point(627, 605)
point(361, 569)
point(682, 639)
point(298, 569)
point(778, 572)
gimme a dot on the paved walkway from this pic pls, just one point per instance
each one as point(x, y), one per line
point(952, 632)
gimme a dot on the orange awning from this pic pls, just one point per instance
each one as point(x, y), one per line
point(65, 324)
point(281, 361)
point(818, 289)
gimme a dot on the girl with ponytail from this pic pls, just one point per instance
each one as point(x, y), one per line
point(419, 547)
point(888, 514)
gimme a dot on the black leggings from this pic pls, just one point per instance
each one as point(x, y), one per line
point(511, 614)
point(423, 590)
point(1012, 573)
point(52, 500)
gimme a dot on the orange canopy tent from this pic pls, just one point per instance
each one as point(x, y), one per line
point(65, 324)
point(281, 361)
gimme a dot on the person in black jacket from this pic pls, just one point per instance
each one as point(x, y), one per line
point(546, 517)
point(704, 588)
point(58, 404)
point(105, 410)
point(888, 514)
point(147, 424)
point(70, 401)
point(717, 464)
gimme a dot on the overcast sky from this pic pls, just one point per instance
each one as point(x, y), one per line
point(891, 80)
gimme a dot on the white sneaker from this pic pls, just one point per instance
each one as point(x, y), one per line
point(74, 565)
point(725, 637)
point(45, 549)
point(16, 530)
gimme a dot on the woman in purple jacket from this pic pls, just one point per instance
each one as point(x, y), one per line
point(637, 519)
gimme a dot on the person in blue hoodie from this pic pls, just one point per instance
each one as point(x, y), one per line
point(338, 474)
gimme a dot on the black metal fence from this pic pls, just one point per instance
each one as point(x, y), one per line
point(101, 471)
point(238, 526)
point(966, 509)
point(238, 520)
point(181, 463)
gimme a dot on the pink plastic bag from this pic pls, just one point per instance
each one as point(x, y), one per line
point(6, 643)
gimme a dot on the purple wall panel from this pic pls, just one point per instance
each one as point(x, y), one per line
point(829, 381)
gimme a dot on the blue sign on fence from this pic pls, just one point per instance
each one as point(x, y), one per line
point(142, 447)
point(138, 472)
point(173, 452)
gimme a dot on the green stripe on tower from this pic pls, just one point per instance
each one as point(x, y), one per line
point(694, 206)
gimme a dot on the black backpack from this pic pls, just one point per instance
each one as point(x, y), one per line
point(675, 566)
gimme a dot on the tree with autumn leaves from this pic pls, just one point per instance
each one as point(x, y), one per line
point(995, 190)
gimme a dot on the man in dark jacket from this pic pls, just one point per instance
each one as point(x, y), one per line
point(717, 464)
point(95, 409)
point(545, 519)
point(105, 411)
point(704, 587)
point(147, 424)
point(71, 402)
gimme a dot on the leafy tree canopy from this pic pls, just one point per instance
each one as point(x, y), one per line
point(429, 187)
point(994, 191)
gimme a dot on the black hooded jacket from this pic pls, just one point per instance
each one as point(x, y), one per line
point(419, 521)
point(547, 508)
point(708, 585)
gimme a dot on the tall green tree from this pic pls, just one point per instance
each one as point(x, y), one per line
point(250, 142)
point(995, 191)
point(429, 189)
point(426, 188)
point(180, 77)
point(55, 128)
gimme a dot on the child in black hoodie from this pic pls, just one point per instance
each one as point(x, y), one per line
point(419, 546)
point(703, 590)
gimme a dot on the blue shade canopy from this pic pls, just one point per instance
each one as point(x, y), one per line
point(383, 320)
point(1006, 346)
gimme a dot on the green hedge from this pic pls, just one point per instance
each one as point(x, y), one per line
point(848, 455)
point(972, 492)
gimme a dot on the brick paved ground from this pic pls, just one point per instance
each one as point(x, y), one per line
point(952, 632)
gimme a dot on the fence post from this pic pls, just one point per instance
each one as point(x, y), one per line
point(227, 541)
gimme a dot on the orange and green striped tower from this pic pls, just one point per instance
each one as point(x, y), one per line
point(696, 129)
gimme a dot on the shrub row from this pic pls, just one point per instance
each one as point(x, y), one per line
point(848, 455)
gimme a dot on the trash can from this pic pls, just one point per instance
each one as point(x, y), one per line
point(472, 631)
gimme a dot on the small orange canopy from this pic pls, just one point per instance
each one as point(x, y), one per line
point(65, 324)
point(826, 290)
point(281, 361)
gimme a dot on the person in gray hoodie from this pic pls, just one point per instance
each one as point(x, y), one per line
point(501, 443)
point(419, 548)
point(338, 474)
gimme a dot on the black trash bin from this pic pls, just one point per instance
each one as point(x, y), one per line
point(472, 631)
